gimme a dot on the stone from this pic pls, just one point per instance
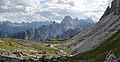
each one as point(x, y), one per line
point(111, 57)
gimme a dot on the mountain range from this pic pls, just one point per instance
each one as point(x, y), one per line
point(10, 27)
point(44, 30)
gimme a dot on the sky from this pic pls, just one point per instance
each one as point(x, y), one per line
point(51, 10)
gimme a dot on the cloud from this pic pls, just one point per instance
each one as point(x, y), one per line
point(47, 14)
point(1, 18)
point(40, 10)
point(18, 5)
point(66, 2)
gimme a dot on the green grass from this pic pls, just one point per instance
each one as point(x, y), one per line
point(10, 44)
point(56, 40)
point(98, 54)
point(27, 46)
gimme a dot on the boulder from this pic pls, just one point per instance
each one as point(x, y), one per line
point(111, 57)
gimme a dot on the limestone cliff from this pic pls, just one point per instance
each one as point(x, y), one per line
point(115, 7)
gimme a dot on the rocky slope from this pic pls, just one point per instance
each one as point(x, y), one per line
point(89, 39)
point(69, 33)
point(108, 50)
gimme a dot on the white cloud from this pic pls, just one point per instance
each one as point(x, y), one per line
point(39, 10)
point(19, 5)
point(1, 18)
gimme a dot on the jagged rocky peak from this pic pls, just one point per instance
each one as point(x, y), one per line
point(89, 20)
point(54, 23)
point(66, 19)
point(29, 34)
point(115, 7)
point(76, 19)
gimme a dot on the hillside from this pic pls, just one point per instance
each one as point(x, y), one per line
point(100, 53)
point(26, 49)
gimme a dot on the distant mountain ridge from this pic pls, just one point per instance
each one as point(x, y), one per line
point(54, 30)
point(10, 27)
point(44, 30)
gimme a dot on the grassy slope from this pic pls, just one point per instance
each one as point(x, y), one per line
point(15, 44)
point(98, 54)
point(12, 44)
point(27, 46)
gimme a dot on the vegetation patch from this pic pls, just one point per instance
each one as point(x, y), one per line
point(56, 40)
point(26, 49)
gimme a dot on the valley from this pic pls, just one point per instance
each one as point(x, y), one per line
point(71, 40)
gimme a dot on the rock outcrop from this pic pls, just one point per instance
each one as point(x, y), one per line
point(30, 34)
point(115, 7)
point(111, 57)
point(106, 12)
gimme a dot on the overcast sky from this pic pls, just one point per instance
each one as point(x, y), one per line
point(41, 10)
